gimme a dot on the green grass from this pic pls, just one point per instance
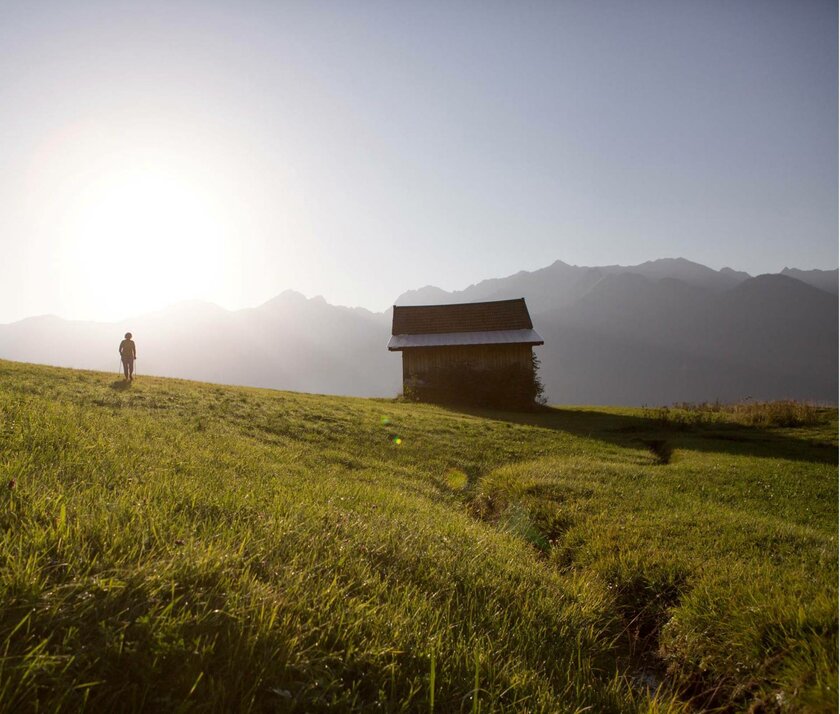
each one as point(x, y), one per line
point(750, 413)
point(192, 547)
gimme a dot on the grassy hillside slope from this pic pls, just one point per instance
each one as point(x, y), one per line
point(178, 545)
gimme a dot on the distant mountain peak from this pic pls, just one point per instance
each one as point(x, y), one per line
point(822, 279)
point(679, 262)
point(678, 259)
point(287, 297)
point(428, 294)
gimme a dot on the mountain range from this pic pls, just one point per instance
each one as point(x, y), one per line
point(656, 333)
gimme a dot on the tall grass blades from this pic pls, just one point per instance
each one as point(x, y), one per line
point(176, 546)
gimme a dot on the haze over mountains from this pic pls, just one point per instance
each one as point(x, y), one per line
point(664, 331)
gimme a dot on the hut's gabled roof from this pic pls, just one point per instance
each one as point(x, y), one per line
point(464, 317)
point(473, 323)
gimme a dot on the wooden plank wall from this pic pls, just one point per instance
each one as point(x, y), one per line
point(422, 361)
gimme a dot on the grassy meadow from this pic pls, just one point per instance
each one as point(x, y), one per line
point(178, 546)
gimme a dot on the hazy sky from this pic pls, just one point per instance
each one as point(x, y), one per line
point(153, 152)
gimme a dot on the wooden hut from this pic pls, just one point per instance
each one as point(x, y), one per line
point(482, 340)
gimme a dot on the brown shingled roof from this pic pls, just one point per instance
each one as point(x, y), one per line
point(465, 317)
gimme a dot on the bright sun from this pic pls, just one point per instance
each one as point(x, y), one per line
point(141, 239)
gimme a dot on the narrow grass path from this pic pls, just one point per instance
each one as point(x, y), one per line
point(192, 547)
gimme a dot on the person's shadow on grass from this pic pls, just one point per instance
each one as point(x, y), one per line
point(120, 385)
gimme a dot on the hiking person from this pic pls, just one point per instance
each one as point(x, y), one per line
point(128, 353)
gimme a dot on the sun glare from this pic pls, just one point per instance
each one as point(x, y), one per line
point(141, 239)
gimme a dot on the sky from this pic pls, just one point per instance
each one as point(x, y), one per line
point(227, 151)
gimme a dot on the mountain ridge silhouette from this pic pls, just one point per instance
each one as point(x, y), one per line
point(659, 332)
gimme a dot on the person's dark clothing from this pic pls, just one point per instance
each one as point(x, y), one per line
point(128, 352)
